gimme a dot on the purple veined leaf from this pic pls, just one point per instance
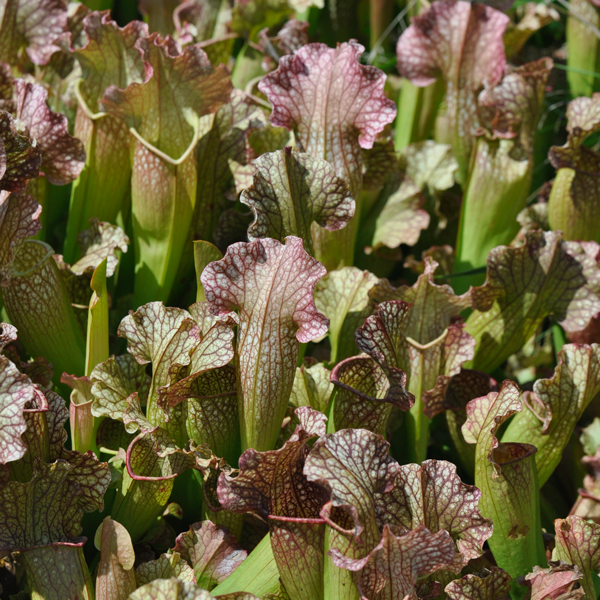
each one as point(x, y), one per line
point(507, 471)
point(19, 220)
point(211, 470)
point(462, 388)
point(20, 158)
point(101, 241)
point(50, 508)
point(458, 348)
point(151, 464)
point(578, 543)
point(211, 551)
point(391, 570)
point(63, 156)
point(492, 584)
point(109, 56)
point(352, 465)
point(213, 350)
point(58, 569)
point(164, 337)
point(433, 495)
point(435, 306)
point(115, 383)
point(502, 166)
point(166, 566)
point(205, 390)
point(211, 410)
point(292, 193)
point(546, 275)
point(42, 414)
point(335, 106)
point(173, 589)
point(116, 576)
point(559, 581)
point(272, 484)
point(343, 296)
point(572, 206)
point(551, 414)
point(272, 285)
point(8, 334)
point(510, 109)
point(45, 438)
point(33, 25)
point(366, 394)
point(163, 115)
point(37, 301)
point(312, 387)
point(417, 333)
point(463, 43)
point(16, 390)
point(45, 415)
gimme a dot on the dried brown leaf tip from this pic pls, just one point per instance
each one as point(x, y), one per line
point(560, 581)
